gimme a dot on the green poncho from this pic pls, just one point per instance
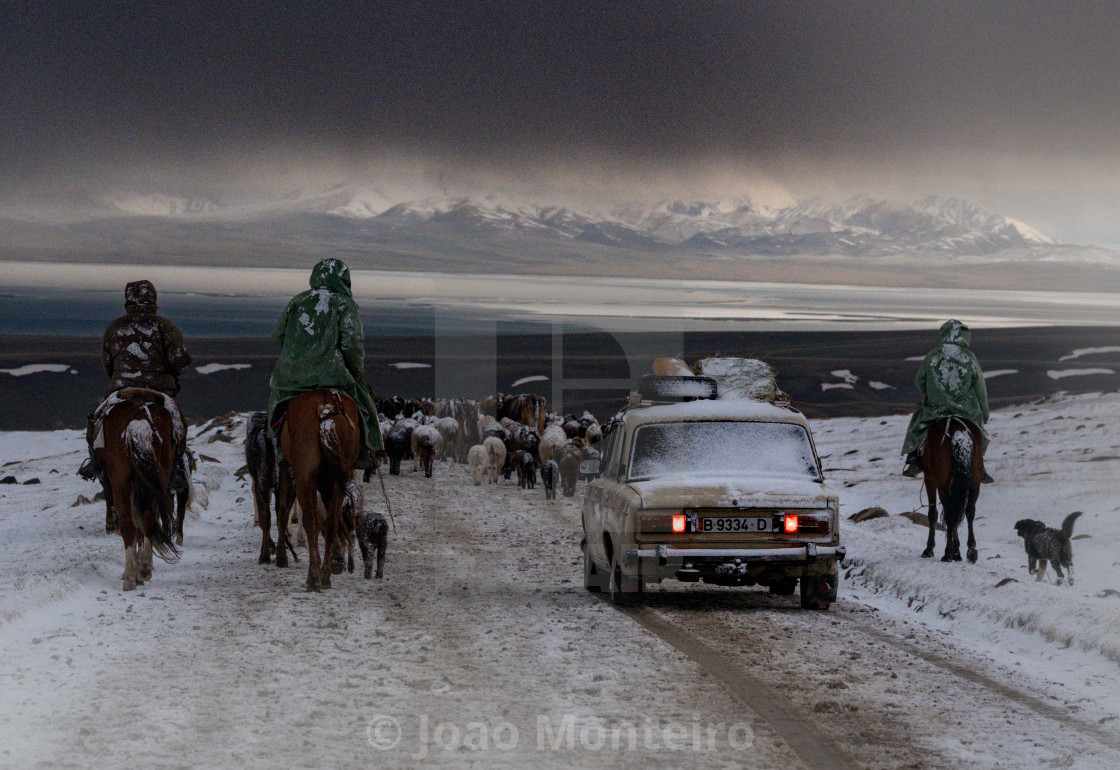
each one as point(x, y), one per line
point(321, 346)
point(951, 384)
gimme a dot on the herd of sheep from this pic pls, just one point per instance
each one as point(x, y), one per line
point(498, 436)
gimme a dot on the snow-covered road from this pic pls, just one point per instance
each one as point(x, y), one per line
point(481, 648)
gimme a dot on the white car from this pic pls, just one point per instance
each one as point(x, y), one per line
point(728, 492)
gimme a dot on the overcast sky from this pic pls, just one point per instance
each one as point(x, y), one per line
point(1014, 104)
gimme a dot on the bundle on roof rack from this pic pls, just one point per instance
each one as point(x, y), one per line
point(743, 379)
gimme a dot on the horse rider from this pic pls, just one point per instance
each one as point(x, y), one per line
point(141, 350)
point(952, 385)
point(322, 346)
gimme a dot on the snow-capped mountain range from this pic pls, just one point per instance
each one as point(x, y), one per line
point(860, 226)
point(387, 228)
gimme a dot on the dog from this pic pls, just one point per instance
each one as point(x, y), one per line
point(1046, 544)
point(369, 528)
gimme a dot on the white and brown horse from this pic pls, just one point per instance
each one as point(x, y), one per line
point(141, 429)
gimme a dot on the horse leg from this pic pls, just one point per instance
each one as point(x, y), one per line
point(262, 508)
point(110, 512)
point(145, 561)
point(333, 563)
point(1041, 571)
point(931, 493)
point(970, 512)
point(180, 514)
point(284, 504)
point(310, 509)
point(130, 536)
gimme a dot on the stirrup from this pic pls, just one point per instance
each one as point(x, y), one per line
point(178, 481)
point(367, 460)
point(912, 470)
point(987, 479)
point(89, 470)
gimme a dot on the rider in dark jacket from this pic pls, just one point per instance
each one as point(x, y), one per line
point(952, 385)
point(141, 350)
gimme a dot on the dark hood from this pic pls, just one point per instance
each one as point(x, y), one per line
point(332, 275)
point(140, 297)
point(954, 332)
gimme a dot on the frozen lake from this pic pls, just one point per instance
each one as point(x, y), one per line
point(52, 298)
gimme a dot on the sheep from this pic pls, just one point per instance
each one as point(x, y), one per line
point(448, 428)
point(568, 458)
point(526, 470)
point(550, 474)
point(397, 443)
point(496, 449)
point(426, 445)
point(479, 461)
point(552, 439)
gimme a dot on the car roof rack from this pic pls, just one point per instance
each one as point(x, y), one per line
point(669, 389)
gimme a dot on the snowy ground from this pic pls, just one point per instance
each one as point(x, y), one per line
point(482, 648)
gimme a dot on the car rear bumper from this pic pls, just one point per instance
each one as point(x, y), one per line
point(664, 556)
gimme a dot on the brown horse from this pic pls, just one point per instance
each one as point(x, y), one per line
point(320, 440)
point(952, 465)
point(141, 428)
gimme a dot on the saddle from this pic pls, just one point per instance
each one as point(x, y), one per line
point(141, 395)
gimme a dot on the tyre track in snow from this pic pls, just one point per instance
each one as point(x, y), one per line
point(972, 676)
point(815, 750)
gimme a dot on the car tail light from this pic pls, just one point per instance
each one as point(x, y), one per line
point(790, 524)
point(679, 522)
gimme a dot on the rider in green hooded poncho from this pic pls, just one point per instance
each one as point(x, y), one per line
point(321, 346)
point(952, 385)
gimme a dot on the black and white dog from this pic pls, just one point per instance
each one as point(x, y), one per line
point(1046, 544)
point(369, 528)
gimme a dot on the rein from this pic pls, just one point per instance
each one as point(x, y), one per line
point(385, 496)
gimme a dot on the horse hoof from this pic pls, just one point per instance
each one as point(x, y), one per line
point(129, 585)
point(972, 555)
point(145, 576)
point(263, 560)
point(946, 557)
point(281, 560)
point(927, 554)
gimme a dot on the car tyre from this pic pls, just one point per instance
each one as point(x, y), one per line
point(783, 587)
point(592, 578)
point(810, 601)
point(617, 583)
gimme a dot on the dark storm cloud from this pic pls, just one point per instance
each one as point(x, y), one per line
point(667, 81)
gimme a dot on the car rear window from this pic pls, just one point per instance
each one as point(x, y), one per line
point(722, 448)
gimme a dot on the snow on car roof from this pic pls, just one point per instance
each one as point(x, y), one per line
point(714, 410)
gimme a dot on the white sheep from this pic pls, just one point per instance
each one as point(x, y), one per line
point(478, 458)
point(553, 438)
point(496, 449)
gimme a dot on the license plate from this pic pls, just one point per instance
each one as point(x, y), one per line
point(735, 524)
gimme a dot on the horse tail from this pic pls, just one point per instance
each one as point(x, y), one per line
point(329, 440)
point(148, 490)
point(960, 479)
